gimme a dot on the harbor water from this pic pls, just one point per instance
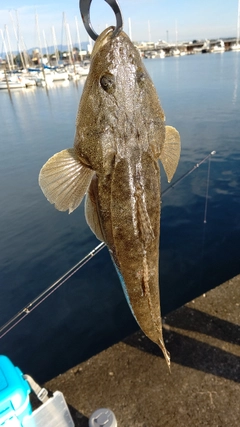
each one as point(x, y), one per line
point(200, 220)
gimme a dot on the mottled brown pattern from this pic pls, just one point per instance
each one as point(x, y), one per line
point(120, 136)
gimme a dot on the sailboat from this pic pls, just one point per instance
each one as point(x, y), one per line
point(218, 47)
point(175, 51)
point(236, 46)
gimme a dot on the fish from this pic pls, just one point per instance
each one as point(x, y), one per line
point(120, 137)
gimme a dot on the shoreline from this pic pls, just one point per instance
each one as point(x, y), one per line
point(131, 378)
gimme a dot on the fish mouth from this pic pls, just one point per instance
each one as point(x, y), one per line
point(104, 38)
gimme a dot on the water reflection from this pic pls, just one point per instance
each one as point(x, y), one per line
point(38, 244)
point(32, 108)
point(236, 68)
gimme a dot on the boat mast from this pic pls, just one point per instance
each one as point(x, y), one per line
point(9, 47)
point(16, 33)
point(5, 48)
point(21, 43)
point(64, 29)
point(55, 45)
point(238, 23)
point(39, 38)
point(45, 44)
point(40, 48)
point(69, 43)
point(176, 31)
point(90, 45)
point(25, 54)
point(71, 47)
point(78, 37)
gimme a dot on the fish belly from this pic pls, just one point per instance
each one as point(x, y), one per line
point(134, 238)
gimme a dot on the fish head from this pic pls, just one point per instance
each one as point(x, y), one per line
point(119, 106)
point(122, 77)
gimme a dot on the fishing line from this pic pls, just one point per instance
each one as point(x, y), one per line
point(52, 288)
point(188, 173)
point(205, 219)
point(207, 191)
point(49, 291)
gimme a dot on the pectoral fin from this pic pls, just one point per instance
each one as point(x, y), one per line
point(64, 180)
point(91, 210)
point(171, 151)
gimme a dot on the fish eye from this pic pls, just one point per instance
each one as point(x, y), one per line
point(108, 83)
point(140, 77)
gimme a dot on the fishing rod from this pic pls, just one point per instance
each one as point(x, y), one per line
point(45, 294)
point(188, 173)
point(52, 288)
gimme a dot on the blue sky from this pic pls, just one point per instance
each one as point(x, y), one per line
point(196, 19)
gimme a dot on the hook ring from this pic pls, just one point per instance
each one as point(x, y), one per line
point(84, 6)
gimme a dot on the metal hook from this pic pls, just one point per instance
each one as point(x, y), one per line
point(84, 6)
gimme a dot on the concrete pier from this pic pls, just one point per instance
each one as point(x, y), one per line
point(132, 379)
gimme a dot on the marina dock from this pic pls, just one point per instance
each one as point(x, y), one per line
point(131, 378)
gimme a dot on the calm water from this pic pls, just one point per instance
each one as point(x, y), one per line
point(200, 96)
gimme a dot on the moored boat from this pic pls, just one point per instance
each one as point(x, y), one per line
point(236, 46)
point(219, 47)
point(175, 51)
point(58, 75)
point(161, 53)
point(12, 82)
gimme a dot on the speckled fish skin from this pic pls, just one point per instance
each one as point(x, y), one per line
point(120, 136)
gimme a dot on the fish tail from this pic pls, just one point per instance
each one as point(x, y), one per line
point(160, 341)
point(166, 353)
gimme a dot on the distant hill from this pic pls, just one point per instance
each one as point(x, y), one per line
point(51, 49)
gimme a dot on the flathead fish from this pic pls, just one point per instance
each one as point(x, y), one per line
point(120, 137)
